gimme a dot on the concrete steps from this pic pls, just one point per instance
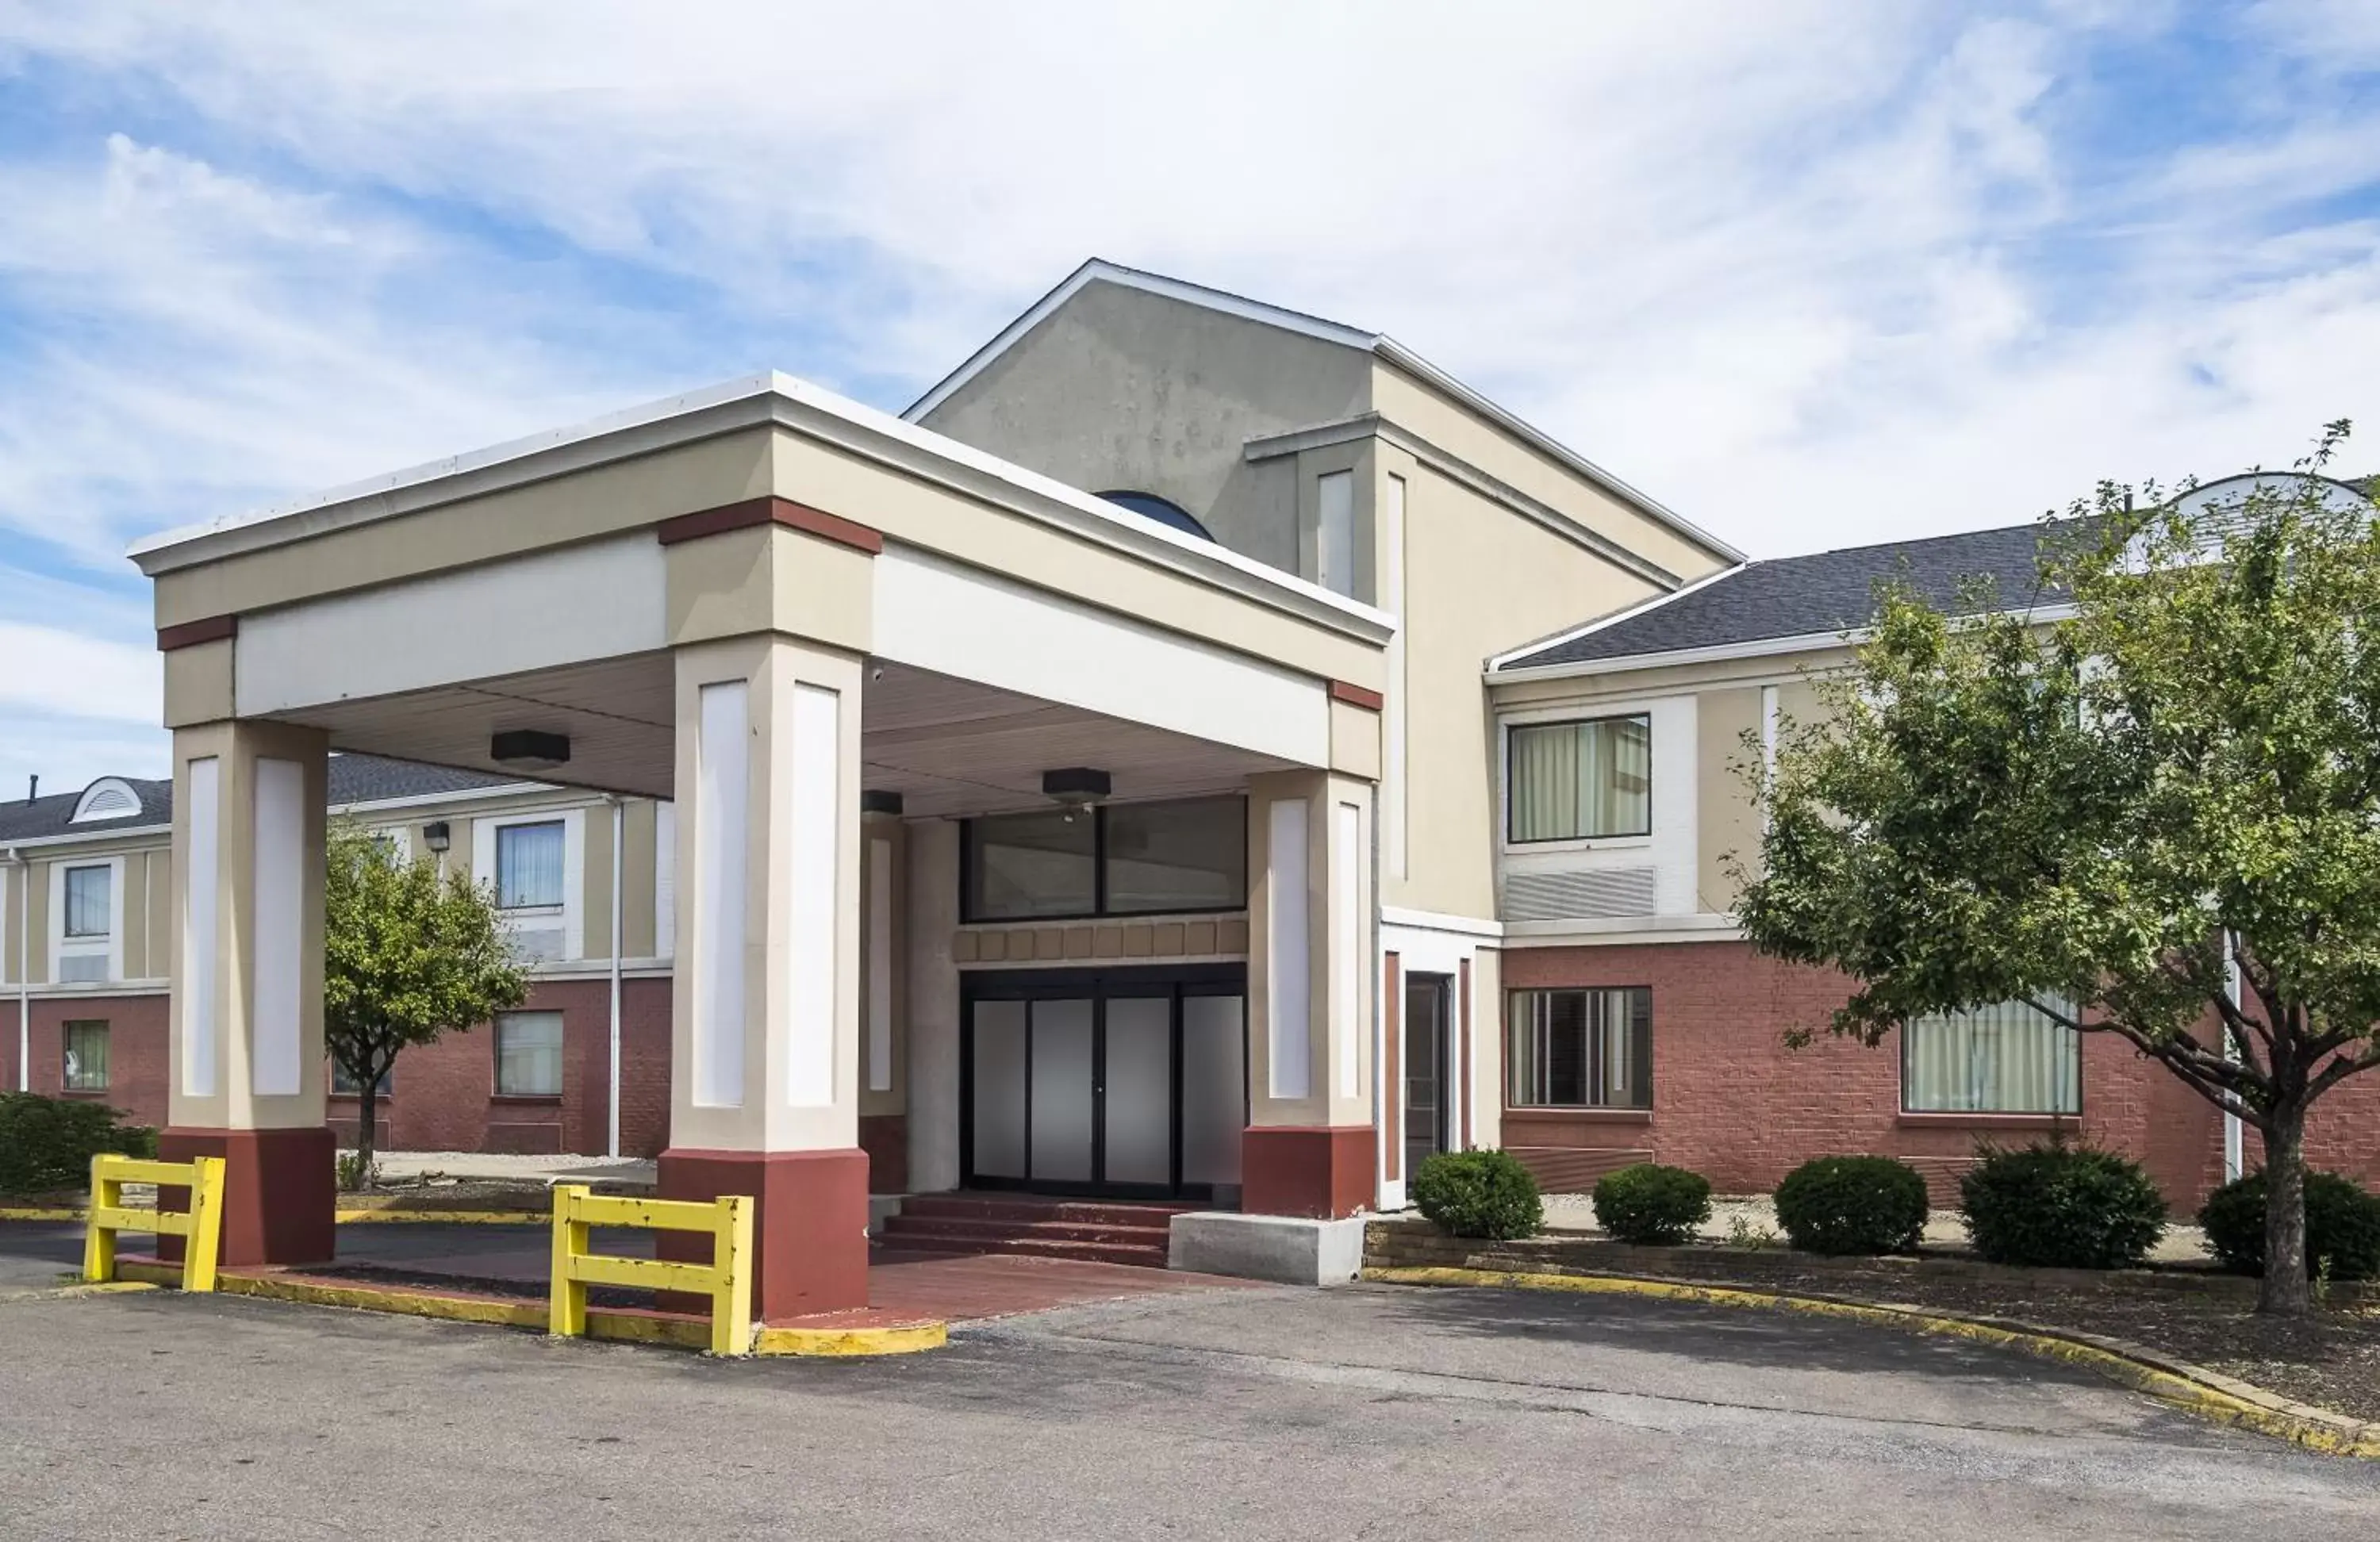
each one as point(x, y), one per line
point(1091, 1230)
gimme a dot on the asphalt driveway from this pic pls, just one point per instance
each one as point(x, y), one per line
point(1247, 1414)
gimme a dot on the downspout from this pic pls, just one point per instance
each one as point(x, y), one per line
point(2234, 1156)
point(24, 971)
point(619, 864)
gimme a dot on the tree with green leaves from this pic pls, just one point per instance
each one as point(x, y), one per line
point(2153, 811)
point(409, 953)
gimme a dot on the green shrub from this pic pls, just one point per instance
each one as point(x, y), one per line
point(2055, 1206)
point(47, 1143)
point(2342, 1226)
point(1650, 1203)
point(1846, 1204)
point(1479, 1194)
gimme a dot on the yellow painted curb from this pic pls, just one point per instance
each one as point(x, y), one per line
point(2316, 1429)
point(908, 1338)
point(345, 1217)
point(452, 1218)
point(615, 1326)
point(74, 1288)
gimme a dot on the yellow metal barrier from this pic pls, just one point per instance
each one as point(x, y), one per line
point(727, 1279)
point(199, 1227)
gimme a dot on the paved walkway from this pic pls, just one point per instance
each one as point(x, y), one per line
point(34, 1253)
point(1251, 1413)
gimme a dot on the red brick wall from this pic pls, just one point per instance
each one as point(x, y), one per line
point(1732, 1102)
point(135, 1049)
point(442, 1096)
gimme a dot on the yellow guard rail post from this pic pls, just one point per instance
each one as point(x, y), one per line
point(727, 1279)
point(199, 1227)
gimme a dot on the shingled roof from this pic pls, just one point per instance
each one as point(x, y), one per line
point(354, 779)
point(1827, 592)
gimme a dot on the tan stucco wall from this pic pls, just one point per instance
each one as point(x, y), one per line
point(1725, 820)
point(1479, 579)
point(1119, 389)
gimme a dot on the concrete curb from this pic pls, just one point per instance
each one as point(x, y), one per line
point(2172, 1381)
point(609, 1323)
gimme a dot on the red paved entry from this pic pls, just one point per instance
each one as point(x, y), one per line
point(959, 1287)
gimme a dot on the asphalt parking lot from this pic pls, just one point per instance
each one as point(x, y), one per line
point(1367, 1411)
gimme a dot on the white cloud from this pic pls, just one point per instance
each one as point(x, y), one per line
point(1813, 271)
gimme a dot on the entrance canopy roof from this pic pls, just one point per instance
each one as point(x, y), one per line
point(1014, 624)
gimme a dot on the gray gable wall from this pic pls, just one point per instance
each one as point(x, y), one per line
point(1122, 389)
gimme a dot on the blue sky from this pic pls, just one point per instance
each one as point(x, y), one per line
point(1814, 271)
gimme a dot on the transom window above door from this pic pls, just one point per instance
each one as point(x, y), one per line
point(1118, 859)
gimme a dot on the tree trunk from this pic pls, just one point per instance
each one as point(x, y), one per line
point(367, 1108)
point(2285, 1290)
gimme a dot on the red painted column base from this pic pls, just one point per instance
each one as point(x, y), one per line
point(1324, 1171)
point(280, 1192)
point(809, 1225)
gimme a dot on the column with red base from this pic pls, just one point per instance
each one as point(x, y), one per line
point(765, 1017)
point(245, 1073)
point(1310, 1149)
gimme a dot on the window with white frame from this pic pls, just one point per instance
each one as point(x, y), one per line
point(1590, 1048)
point(1579, 781)
point(2007, 1058)
point(529, 1054)
point(533, 863)
point(86, 921)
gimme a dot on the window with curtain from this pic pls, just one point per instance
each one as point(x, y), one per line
point(1181, 857)
point(88, 893)
point(1580, 781)
point(86, 1057)
point(1580, 1049)
point(2009, 1058)
point(529, 866)
point(529, 1054)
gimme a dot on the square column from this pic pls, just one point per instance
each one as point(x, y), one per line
point(1310, 1149)
point(245, 1078)
point(765, 1023)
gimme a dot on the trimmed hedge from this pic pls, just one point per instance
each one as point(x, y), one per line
point(2054, 1205)
point(1479, 1194)
point(46, 1144)
point(1650, 1203)
point(1852, 1205)
point(2342, 1225)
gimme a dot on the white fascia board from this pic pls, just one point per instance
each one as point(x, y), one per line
point(464, 795)
point(1433, 921)
point(86, 837)
point(753, 401)
point(1099, 269)
point(1430, 375)
point(1757, 648)
point(1625, 613)
point(1618, 931)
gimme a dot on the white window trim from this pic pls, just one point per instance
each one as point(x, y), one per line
point(1672, 847)
point(1645, 708)
point(564, 916)
point(665, 879)
point(63, 947)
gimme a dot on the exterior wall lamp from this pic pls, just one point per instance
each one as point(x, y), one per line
point(437, 837)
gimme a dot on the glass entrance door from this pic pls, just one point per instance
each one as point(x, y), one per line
point(1125, 1082)
point(1427, 1000)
